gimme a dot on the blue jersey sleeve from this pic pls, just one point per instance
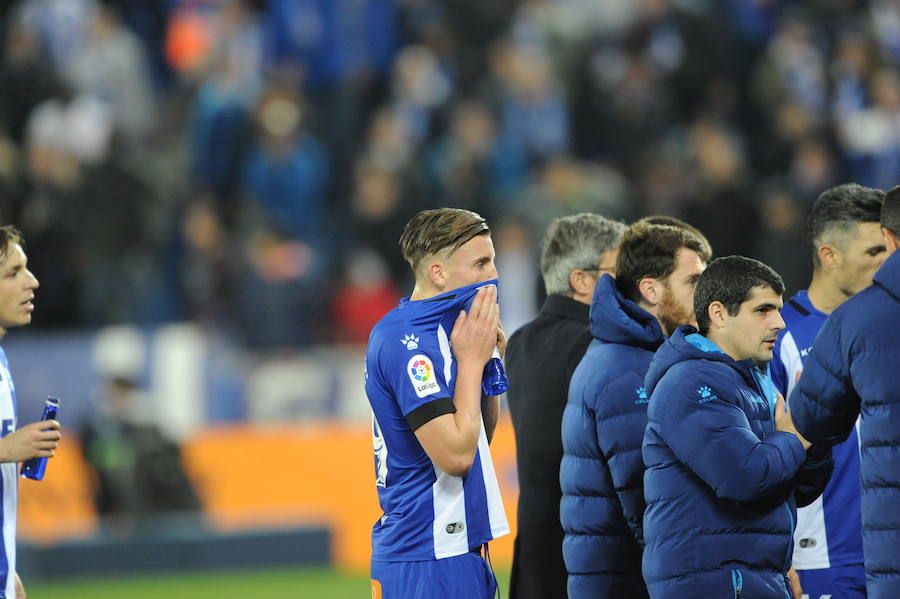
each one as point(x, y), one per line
point(417, 377)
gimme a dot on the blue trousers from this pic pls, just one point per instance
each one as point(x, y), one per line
point(467, 575)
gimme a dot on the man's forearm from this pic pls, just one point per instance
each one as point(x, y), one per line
point(490, 411)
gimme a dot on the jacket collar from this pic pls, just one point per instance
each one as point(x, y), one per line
point(888, 274)
point(560, 305)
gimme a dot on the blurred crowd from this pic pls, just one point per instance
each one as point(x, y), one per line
point(250, 164)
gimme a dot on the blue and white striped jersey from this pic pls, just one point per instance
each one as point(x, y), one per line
point(428, 514)
point(829, 531)
point(10, 485)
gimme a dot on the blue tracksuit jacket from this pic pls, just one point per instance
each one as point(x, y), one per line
point(602, 470)
point(721, 484)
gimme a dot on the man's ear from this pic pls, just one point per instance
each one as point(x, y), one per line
point(650, 291)
point(891, 241)
point(716, 312)
point(828, 255)
point(436, 274)
point(578, 281)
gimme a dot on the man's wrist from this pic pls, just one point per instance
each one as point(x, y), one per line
point(470, 366)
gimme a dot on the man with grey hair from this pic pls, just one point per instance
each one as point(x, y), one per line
point(541, 356)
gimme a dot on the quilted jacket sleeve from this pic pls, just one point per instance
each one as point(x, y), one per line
point(813, 475)
point(824, 405)
point(621, 418)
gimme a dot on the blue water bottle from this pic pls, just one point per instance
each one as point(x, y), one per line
point(493, 379)
point(34, 468)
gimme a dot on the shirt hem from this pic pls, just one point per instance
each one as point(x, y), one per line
point(827, 565)
point(444, 555)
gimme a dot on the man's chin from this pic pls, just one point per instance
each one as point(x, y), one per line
point(26, 319)
point(764, 357)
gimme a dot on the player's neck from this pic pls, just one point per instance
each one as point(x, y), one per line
point(824, 296)
point(424, 292)
point(724, 344)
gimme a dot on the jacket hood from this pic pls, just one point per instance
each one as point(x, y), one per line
point(687, 344)
point(616, 319)
point(888, 275)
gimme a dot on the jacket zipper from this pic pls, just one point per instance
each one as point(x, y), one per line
point(737, 582)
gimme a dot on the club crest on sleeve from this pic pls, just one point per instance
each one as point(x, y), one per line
point(421, 375)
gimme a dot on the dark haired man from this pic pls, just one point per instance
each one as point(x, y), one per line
point(38, 439)
point(843, 229)
point(431, 425)
point(603, 424)
point(576, 251)
point(851, 373)
point(725, 467)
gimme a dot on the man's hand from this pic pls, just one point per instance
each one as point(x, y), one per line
point(36, 440)
point(783, 422)
point(796, 589)
point(475, 335)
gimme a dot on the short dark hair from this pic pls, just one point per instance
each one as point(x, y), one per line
point(890, 211)
point(9, 236)
point(649, 251)
point(838, 209)
point(573, 242)
point(431, 231)
point(731, 280)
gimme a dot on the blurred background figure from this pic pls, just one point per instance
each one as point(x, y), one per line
point(138, 471)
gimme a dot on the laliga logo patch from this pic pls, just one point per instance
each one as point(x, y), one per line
point(421, 375)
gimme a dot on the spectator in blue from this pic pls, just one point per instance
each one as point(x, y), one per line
point(851, 373)
point(725, 466)
point(345, 50)
point(604, 420)
point(286, 174)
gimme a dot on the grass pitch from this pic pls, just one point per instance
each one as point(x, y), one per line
point(251, 584)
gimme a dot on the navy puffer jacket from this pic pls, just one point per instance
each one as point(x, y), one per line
point(602, 469)
point(721, 484)
point(852, 371)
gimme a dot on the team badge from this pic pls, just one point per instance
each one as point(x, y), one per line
point(421, 375)
point(705, 394)
point(411, 342)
